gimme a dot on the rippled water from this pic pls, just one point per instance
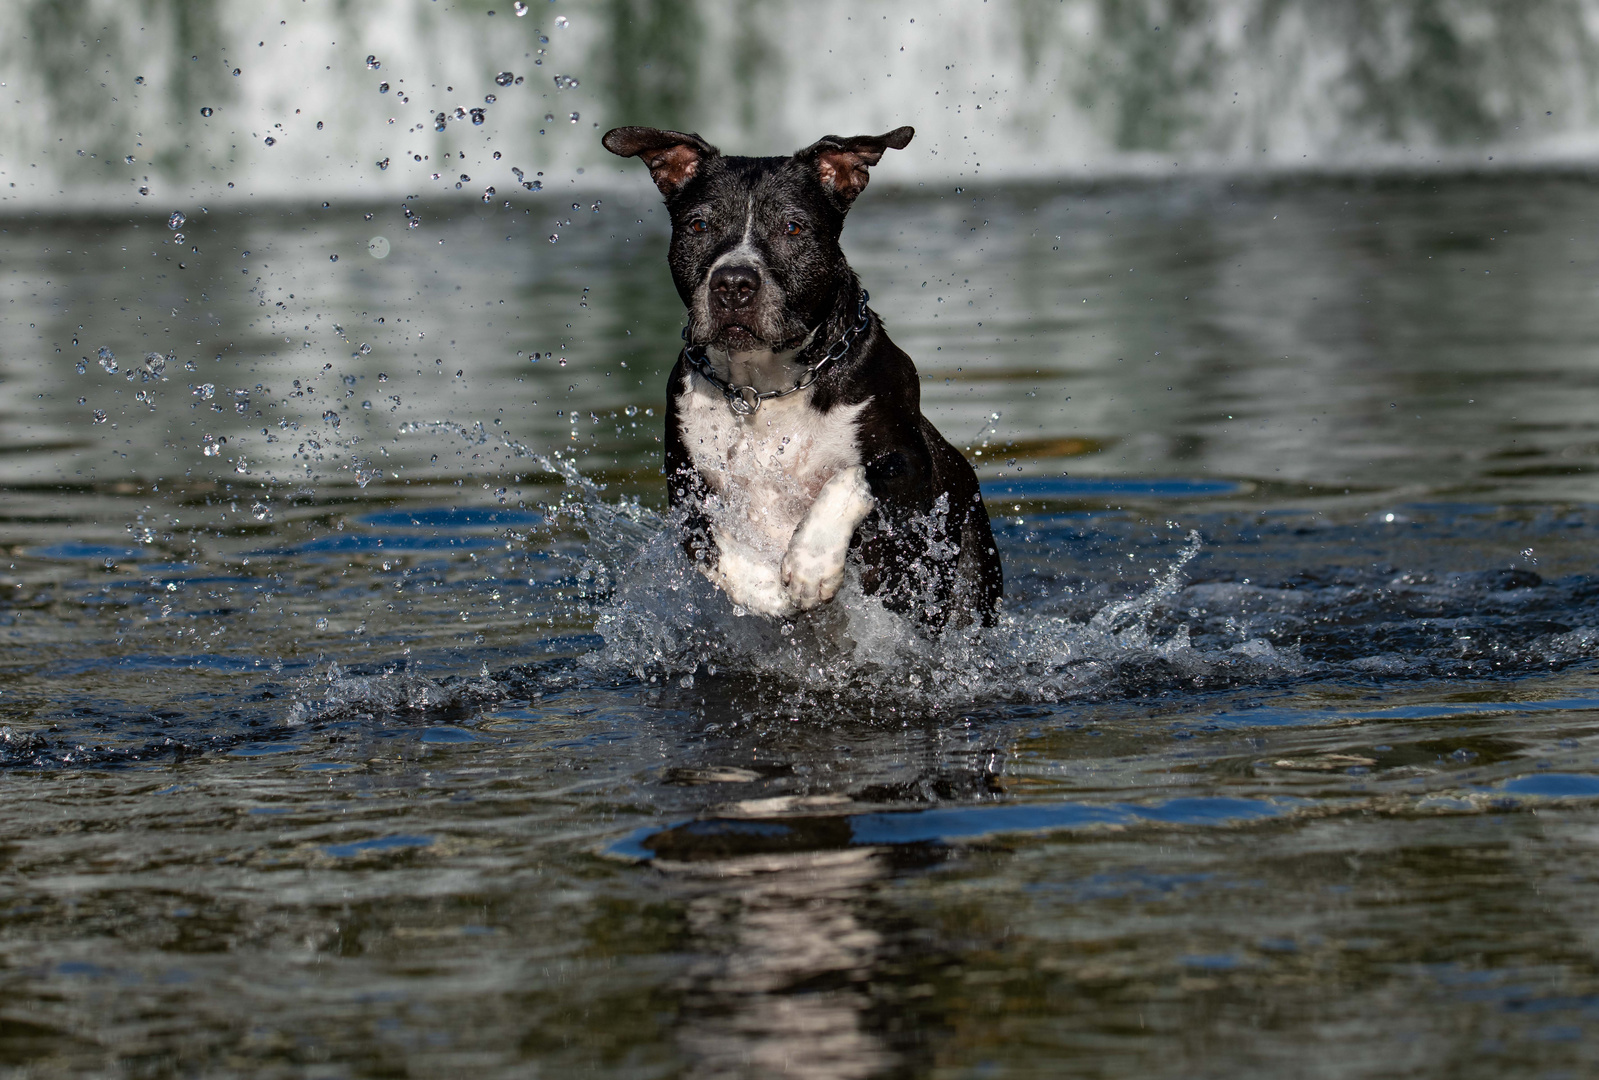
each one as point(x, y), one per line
point(391, 737)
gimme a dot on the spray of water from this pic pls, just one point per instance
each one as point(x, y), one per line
point(664, 624)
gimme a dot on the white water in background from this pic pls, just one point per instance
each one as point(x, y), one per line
point(997, 90)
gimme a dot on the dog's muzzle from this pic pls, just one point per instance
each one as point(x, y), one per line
point(733, 287)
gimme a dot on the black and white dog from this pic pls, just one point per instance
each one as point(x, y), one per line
point(794, 431)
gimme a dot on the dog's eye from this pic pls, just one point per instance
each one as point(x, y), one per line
point(791, 228)
point(698, 225)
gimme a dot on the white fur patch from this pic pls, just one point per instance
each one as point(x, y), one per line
point(749, 582)
point(813, 568)
point(765, 472)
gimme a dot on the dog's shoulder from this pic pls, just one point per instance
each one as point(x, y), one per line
point(880, 380)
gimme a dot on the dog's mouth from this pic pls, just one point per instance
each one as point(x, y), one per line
point(737, 337)
point(732, 333)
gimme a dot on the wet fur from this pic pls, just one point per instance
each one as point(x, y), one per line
point(754, 518)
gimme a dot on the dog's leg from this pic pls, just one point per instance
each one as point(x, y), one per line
point(813, 568)
point(749, 582)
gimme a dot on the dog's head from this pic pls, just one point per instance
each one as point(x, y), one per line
point(755, 250)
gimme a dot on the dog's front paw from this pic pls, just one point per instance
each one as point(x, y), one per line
point(812, 576)
point(750, 583)
point(813, 566)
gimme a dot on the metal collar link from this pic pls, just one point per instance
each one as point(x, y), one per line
point(745, 400)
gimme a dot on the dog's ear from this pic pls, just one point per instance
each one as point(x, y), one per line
point(673, 157)
point(841, 163)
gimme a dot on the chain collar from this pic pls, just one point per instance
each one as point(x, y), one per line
point(745, 400)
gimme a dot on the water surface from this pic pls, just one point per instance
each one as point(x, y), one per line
point(389, 737)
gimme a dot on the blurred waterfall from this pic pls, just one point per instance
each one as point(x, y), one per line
point(998, 90)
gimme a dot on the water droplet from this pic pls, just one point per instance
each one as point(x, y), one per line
point(177, 238)
point(490, 99)
point(383, 88)
point(331, 417)
point(270, 141)
point(128, 160)
point(631, 410)
point(562, 22)
point(206, 110)
point(319, 125)
point(321, 624)
point(209, 446)
point(83, 401)
point(488, 195)
point(260, 511)
point(99, 416)
point(139, 79)
point(373, 62)
point(533, 185)
point(573, 118)
point(237, 72)
point(205, 391)
point(477, 117)
point(155, 364)
point(504, 78)
point(108, 360)
point(364, 349)
point(520, 8)
point(565, 82)
point(384, 164)
point(554, 237)
point(333, 258)
point(82, 365)
point(145, 189)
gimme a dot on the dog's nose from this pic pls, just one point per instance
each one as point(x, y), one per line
point(734, 286)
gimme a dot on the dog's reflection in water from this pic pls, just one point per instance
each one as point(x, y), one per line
point(784, 985)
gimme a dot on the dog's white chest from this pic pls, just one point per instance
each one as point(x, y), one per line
point(764, 470)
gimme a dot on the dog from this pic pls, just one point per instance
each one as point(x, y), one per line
point(794, 430)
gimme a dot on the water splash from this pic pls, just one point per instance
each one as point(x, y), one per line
point(663, 623)
point(1099, 635)
point(332, 694)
